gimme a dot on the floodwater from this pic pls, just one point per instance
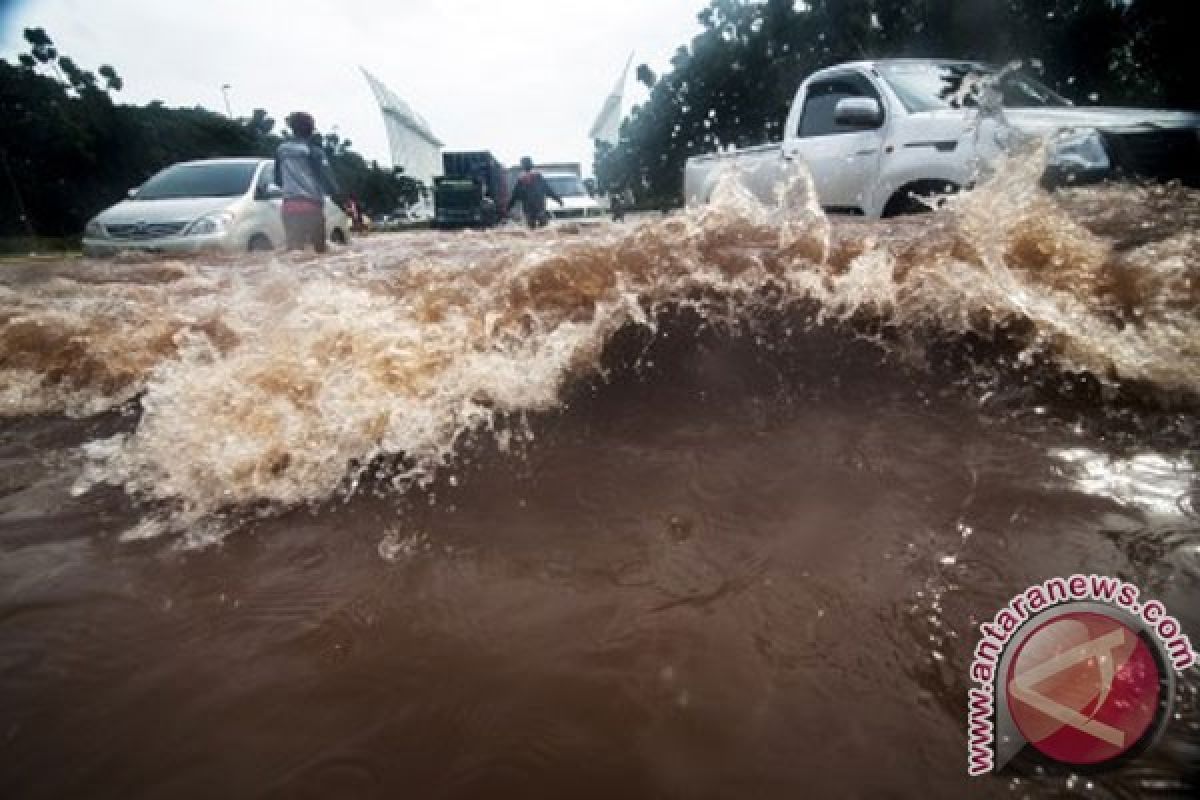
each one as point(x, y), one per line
point(701, 506)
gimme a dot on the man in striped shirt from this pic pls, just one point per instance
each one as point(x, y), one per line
point(303, 172)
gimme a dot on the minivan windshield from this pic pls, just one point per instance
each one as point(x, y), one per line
point(926, 87)
point(222, 179)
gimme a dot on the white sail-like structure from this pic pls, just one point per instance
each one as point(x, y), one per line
point(413, 145)
point(607, 126)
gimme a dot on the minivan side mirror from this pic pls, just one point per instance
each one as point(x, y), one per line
point(858, 112)
point(272, 192)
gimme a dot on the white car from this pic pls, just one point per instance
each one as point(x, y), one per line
point(879, 136)
point(227, 204)
point(577, 203)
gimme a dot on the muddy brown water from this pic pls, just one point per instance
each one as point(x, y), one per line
point(698, 507)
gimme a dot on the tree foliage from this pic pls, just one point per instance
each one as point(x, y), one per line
point(67, 150)
point(733, 83)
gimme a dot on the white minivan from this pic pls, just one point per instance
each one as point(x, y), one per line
point(577, 204)
point(228, 204)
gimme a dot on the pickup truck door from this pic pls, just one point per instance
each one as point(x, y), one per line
point(843, 159)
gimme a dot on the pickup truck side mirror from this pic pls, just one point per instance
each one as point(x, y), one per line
point(858, 112)
point(272, 192)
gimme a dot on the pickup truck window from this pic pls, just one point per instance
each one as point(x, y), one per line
point(927, 87)
point(817, 118)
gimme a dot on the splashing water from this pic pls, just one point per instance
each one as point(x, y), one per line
point(610, 511)
point(283, 382)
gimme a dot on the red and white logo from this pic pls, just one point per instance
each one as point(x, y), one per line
point(1081, 669)
point(1084, 688)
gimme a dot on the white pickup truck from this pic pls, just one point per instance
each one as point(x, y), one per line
point(879, 136)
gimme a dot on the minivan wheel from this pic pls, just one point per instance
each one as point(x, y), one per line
point(259, 244)
point(337, 236)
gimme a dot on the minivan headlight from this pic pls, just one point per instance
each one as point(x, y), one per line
point(212, 223)
point(1078, 150)
point(95, 230)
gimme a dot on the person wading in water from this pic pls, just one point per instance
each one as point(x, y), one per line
point(531, 192)
point(303, 172)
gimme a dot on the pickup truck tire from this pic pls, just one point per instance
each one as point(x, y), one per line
point(907, 200)
point(259, 243)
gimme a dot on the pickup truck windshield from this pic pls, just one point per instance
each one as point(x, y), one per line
point(566, 185)
point(199, 180)
point(927, 87)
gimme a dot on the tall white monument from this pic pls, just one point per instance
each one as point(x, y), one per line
point(607, 126)
point(413, 145)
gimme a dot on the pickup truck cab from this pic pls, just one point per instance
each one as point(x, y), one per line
point(878, 137)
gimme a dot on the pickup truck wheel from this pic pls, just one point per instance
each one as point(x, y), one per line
point(909, 199)
point(259, 244)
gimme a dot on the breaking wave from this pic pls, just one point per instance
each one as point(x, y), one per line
point(270, 382)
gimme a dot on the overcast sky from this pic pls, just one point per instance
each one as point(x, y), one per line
point(513, 76)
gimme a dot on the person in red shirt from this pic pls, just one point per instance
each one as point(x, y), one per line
point(531, 192)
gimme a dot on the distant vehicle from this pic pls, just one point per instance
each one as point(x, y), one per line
point(471, 193)
point(881, 136)
point(577, 203)
point(227, 204)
